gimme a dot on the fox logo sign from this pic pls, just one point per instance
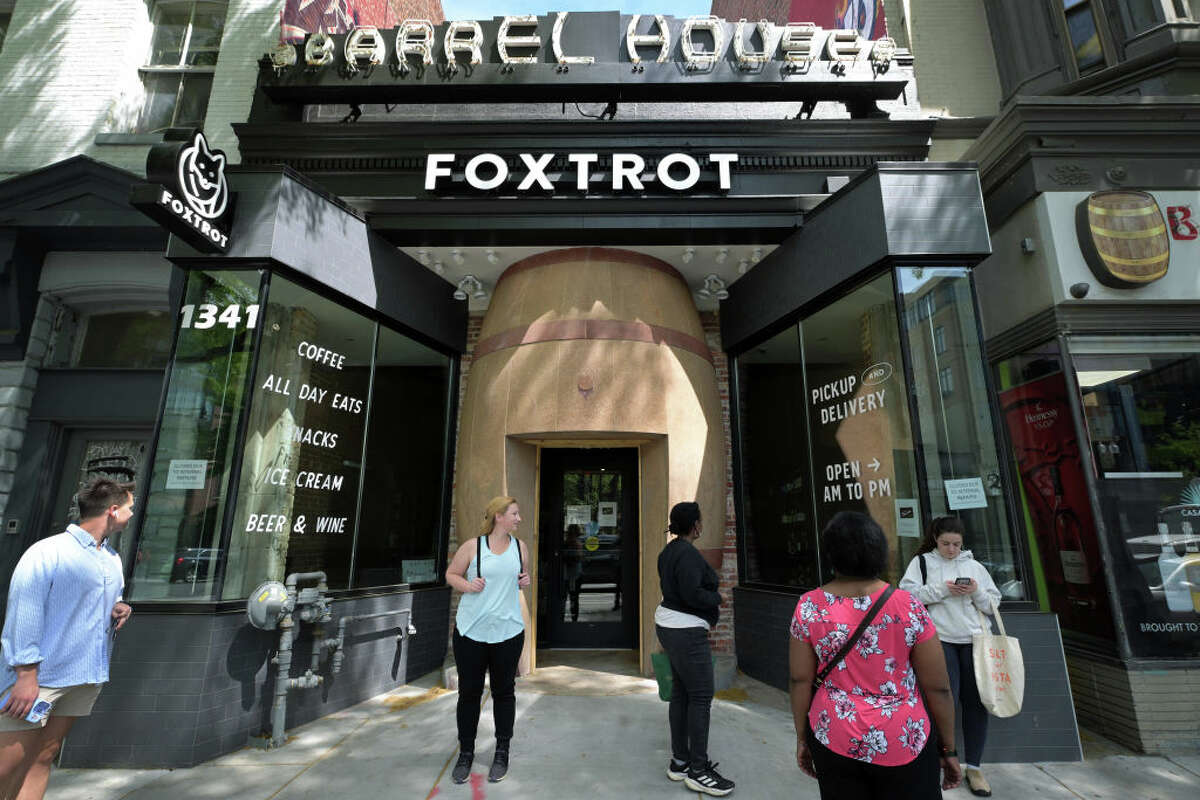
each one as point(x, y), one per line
point(202, 178)
point(188, 191)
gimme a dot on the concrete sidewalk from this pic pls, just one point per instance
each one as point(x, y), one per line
point(598, 732)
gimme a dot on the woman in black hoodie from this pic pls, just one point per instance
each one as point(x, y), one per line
point(689, 609)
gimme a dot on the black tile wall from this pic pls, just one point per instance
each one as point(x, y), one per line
point(1045, 730)
point(185, 688)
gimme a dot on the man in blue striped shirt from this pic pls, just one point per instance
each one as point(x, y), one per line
point(64, 604)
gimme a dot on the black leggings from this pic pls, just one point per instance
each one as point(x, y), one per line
point(848, 778)
point(473, 659)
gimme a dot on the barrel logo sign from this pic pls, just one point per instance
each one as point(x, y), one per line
point(1124, 238)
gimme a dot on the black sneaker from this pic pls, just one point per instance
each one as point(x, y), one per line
point(677, 770)
point(499, 767)
point(462, 770)
point(708, 780)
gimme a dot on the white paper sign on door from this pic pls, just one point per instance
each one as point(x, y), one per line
point(579, 515)
point(608, 514)
point(965, 493)
point(186, 473)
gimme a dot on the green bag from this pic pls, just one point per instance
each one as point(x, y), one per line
point(662, 673)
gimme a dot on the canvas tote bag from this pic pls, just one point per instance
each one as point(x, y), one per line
point(999, 669)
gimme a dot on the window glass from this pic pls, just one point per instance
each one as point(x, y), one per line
point(170, 32)
point(861, 442)
point(1143, 14)
point(303, 448)
point(958, 440)
point(193, 100)
point(186, 40)
point(1143, 425)
point(208, 24)
point(158, 111)
point(778, 530)
point(401, 510)
point(126, 340)
point(179, 545)
point(1085, 38)
point(1061, 530)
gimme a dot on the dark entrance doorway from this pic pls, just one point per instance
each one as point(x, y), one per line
point(589, 548)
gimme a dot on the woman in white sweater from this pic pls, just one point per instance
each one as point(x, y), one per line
point(952, 585)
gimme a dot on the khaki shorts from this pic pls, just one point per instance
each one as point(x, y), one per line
point(67, 701)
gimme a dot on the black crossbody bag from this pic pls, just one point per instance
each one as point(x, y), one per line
point(872, 612)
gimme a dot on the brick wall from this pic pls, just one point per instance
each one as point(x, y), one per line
point(1147, 709)
point(722, 637)
point(72, 68)
point(753, 10)
point(474, 325)
point(953, 61)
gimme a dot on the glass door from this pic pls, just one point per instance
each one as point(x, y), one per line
point(115, 454)
point(588, 548)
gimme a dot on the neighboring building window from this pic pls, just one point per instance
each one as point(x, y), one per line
point(939, 339)
point(1142, 15)
point(1084, 34)
point(946, 380)
point(925, 307)
point(125, 340)
point(183, 55)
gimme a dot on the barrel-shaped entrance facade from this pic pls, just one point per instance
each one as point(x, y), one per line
point(594, 347)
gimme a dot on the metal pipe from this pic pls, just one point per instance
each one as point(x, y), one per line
point(283, 660)
point(317, 610)
point(339, 643)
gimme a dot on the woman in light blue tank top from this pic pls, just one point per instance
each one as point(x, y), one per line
point(489, 631)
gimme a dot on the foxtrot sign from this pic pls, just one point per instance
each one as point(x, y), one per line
point(585, 56)
point(188, 193)
point(581, 172)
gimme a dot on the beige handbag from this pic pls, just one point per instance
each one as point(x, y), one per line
point(999, 668)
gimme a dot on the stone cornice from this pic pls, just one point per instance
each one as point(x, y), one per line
point(1045, 143)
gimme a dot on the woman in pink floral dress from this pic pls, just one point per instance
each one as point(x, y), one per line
point(867, 733)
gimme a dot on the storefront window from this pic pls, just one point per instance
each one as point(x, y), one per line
point(1035, 406)
point(402, 485)
point(860, 440)
point(302, 456)
point(778, 529)
point(331, 389)
point(1143, 421)
point(179, 544)
point(958, 441)
point(850, 451)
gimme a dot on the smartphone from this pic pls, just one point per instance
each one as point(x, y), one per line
point(962, 581)
point(40, 710)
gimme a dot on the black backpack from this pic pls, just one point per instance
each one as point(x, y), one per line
point(479, 555)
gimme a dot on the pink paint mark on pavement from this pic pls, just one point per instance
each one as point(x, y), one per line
point(477, 792)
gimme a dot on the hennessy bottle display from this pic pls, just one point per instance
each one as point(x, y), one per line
point(1068, 538)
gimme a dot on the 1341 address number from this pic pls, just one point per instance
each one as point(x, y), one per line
point(207, 315)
